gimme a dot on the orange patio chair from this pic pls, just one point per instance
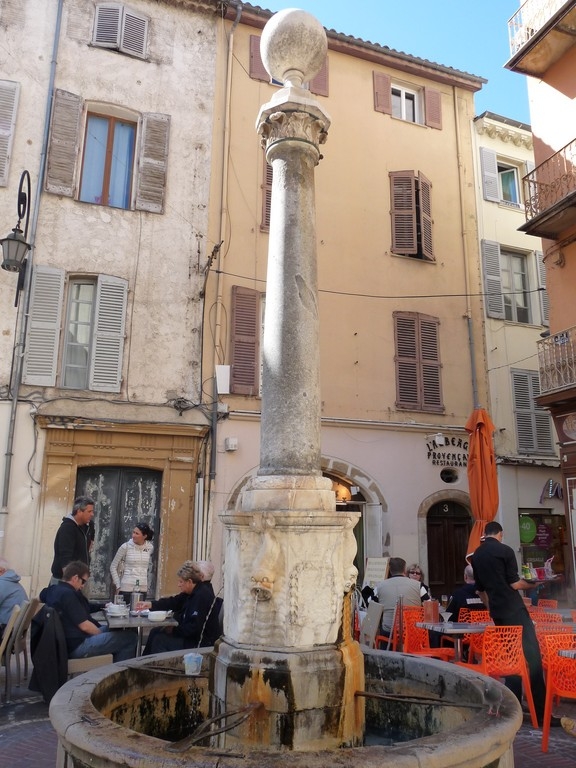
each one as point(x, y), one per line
point(502, 655)
point(398, 642)
point(476, 641)
point(545, 630)
point(545, 617)
point(417, 641)
point(561, 678)
point(547, 603)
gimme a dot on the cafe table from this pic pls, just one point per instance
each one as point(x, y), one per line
point(454, 629)
point(139, 623)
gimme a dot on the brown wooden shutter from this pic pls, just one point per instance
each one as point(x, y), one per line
point(425, 213)
point(403, 212)
point(418, 367)
point(382, 92)
point(433, 107)
point(319, 84)
point(245, 336)
point(63, 143)
point(257, 68)
point(266, 195)
point(152, 163)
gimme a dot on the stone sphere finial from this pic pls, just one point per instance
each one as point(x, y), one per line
point(293, 46)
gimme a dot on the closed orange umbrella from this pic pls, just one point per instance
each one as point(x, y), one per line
point(482, 476)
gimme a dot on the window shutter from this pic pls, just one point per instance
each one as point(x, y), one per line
point(403, 204)
point(406, 359)
point(63, 143)
point(430, 353)
point(257, 68)
point(492, 280)
point(319, 84)
point(543, 293)
point(9, 94)
point(426, 216)
point(134, 34)
point(152, 163)
point(107, 25)
point(266, 195)
point(41, 354)
point(382, 92)
point(108, 341)
point(245, 320)
point(533, 424)
point(433, 107)
point(489, 171)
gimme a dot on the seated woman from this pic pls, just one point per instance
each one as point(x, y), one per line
point(191, 607)
point(415, 572)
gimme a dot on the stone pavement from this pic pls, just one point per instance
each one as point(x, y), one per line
point(27, 739)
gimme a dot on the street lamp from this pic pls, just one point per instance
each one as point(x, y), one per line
point(14, 246)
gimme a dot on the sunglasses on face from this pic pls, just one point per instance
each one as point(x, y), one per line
point(415, 573)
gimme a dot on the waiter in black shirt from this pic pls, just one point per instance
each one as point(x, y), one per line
point(497, 581)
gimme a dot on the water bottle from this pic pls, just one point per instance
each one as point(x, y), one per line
point(136, 596)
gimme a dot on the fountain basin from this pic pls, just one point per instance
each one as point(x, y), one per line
point(127, 714)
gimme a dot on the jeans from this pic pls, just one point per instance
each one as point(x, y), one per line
point(120, 643)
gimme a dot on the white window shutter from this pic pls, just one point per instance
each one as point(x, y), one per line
point(108, 340)
point(107, 24)
point(533, 424)
point(63, 143)
point(492, 279)
point(9, 94)
point(153, 163)
point(134, 34)
point(41, 354)
point(543, 293)
point(489, 171)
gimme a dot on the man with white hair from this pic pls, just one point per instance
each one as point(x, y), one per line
point(465, 596)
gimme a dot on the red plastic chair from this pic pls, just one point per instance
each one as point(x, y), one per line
point(502, 655)
point(417, 641)
point(476, 641)
point(544, 603)
point(545, 630)
point(561, 678)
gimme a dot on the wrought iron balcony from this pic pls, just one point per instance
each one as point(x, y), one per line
point(557, 362)
point(550, 194)
point(540, 33)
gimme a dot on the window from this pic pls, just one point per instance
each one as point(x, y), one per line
point(108, 162)
point(508, 277)
point(500, 178)
point(9, 94)
point(246, 325)
point(123, 161)
point(121, 29)
point(411, 212)
point(318, 85)
point(418, 367)
point(533, 424)
point(266, 195)
point(93, 338)
point(414, 105)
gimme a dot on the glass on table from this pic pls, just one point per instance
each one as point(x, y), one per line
point(119, 600)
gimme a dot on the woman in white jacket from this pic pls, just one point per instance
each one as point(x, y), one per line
point(129, 568)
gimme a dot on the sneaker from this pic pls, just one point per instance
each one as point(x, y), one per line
point(569, 725)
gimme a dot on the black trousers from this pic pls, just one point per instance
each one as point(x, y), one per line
point(533, 660)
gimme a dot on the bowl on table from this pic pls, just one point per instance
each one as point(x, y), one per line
point(113, 609)
point(157, 615)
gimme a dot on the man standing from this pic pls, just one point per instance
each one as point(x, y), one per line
point(74, 537)
point(497, 581)
point(84, 636)
point(396, 585)
point(11, 593)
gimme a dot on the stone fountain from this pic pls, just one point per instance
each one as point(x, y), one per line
point(286, 675)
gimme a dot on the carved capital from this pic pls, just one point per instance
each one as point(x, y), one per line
point(302, 126)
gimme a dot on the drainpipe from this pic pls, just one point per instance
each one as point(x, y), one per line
point(25, 298)
point(468, 315)
point(208, 502)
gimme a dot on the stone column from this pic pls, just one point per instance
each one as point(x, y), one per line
point(289, 553)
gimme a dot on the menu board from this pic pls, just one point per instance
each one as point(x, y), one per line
point(376, 570)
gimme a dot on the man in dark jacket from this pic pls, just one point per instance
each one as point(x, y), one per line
point(195, 609)
point(74, 537)
point(465, 596)
point(497, 581)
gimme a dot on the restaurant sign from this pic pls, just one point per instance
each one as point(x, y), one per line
point(453, 453)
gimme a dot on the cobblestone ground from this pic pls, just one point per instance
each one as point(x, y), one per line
point(27, 739)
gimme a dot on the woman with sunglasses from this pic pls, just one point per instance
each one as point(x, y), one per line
point(416, 572)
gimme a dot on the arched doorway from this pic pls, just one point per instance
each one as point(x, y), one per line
point(448, 526)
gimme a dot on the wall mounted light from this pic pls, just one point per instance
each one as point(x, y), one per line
point(438, 438)
point(14, 246)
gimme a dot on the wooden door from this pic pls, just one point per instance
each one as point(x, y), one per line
point(123, 496)
point(448, 527)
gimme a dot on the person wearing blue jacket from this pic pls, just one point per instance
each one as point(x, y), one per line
point(11, 593)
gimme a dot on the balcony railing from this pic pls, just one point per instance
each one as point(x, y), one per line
point(529, 19)
point(557, 361)
point(550, 182)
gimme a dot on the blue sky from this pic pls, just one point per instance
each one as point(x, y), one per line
point(472, 37)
